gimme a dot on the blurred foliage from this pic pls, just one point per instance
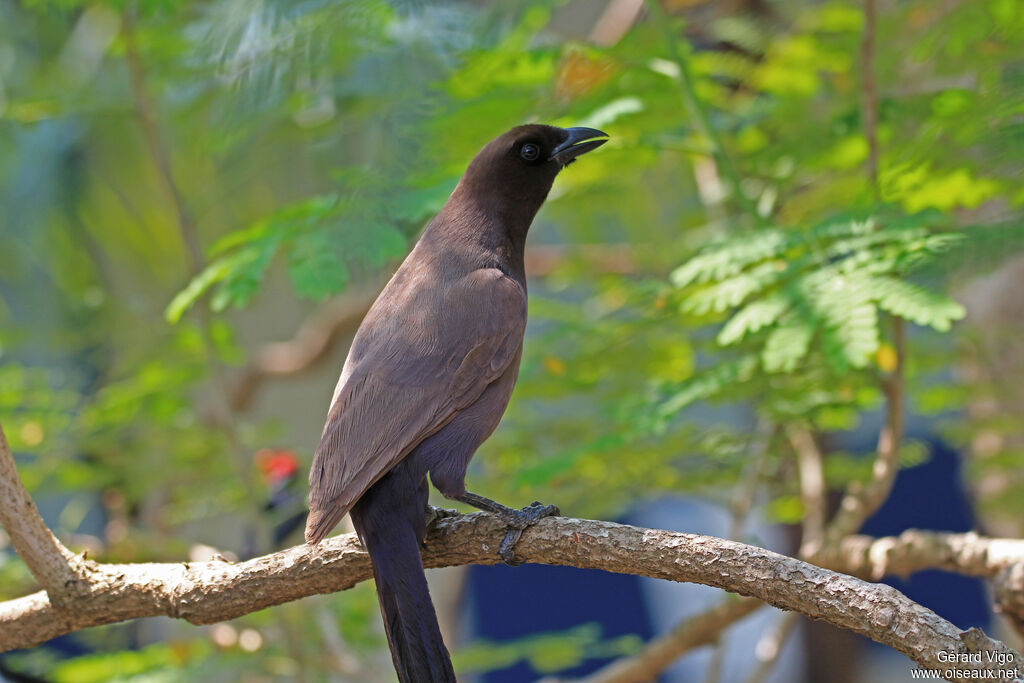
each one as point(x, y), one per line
point(803, 313)
point(306, 144)
point(547, 652)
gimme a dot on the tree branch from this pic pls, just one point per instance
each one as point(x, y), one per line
point(770, 646)
point(145, 110)
point(743, 499)
point(699, 116)
point(915, 550)
point(312, 343)
point(207, 592)
point(52, 565)
point(812, 488)
point(998, 559)
point(860, 502)
point(657, 655)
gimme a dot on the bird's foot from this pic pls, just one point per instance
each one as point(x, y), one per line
point(436, 514)
point(517, 521)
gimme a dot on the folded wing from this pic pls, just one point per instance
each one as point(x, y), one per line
point(409, 382)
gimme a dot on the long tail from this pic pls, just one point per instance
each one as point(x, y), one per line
point(390, 520)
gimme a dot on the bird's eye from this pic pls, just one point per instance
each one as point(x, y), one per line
point(530, 152)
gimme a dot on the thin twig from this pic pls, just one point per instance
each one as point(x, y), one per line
point(52, 565)
point(770, 646)
point(334, 321)
point(859, 503)
point(746, 491)
point(145, 110)
point(657, 655)
point(714, 671)
point(812, 489)
point(698, 114)
point(869, 93)
point(208, 592)
point(742, 502)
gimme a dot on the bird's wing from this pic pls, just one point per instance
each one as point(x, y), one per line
point(404, 388)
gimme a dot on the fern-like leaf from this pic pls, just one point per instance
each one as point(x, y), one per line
point(733, 291)
point(730, 258)
point(754, 316)
point(708, 383)
point(788, 344)
point(850, 332)
point(915, 303)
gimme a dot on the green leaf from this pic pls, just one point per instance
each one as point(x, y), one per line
point(545, 652)
point(734, 290)
point(850, 329)
point(787, 344)
point(708, 383)
point(245, 273)
point(729, 258)
point(754, 316)
point(372, 244)
point(183, 300)
point(915, 303)
point(315, 268)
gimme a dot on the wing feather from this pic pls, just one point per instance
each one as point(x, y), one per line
point(405, 383)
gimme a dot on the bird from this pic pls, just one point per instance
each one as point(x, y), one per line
point(428, 377)
point(285, 505)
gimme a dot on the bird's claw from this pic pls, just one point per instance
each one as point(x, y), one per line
point(436, 514)
point(519, 520)
point(507, 549)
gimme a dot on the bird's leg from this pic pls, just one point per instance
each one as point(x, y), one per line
point(517, 520)
point(520, 519)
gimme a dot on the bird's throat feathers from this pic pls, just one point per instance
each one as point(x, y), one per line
point(490, 212)
point(497, 220)
point(478, 236)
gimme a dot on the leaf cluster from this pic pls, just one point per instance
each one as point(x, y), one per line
point(797, 312)
point(323, 240)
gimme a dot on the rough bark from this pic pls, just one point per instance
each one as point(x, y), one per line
point(50, 562)
point(915, 550)
point(207, 592)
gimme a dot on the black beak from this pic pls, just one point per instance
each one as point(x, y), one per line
point(580, 141)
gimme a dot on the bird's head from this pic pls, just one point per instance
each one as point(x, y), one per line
point(520, 165)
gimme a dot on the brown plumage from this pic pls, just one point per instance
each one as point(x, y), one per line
point(429, 374)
